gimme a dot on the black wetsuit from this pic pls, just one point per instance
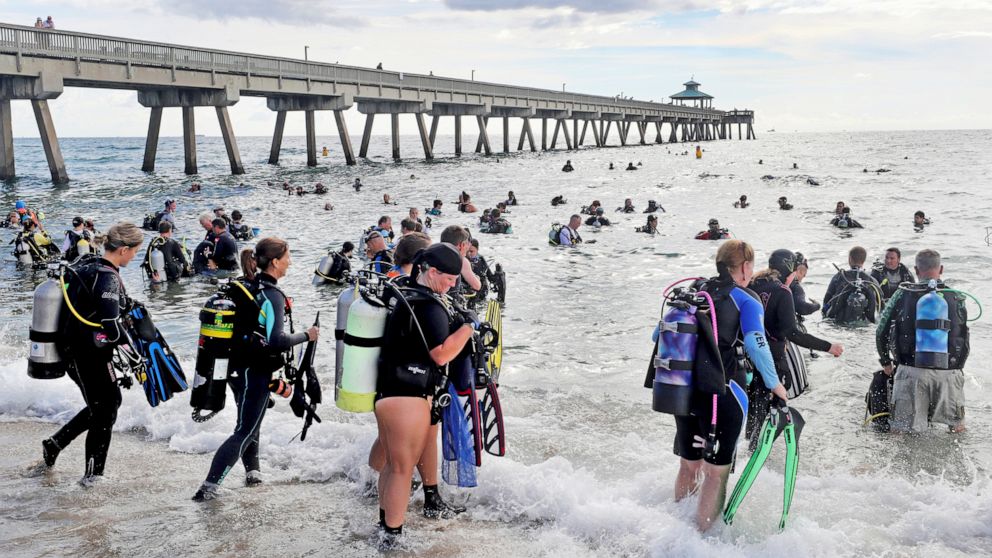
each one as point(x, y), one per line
point(225, 255)
point(889, 280)
point(840, 289)
point(406, 368)
point(340, 267)
point(781, 327)
point(804, 306)
point(175, 260)
point(97, 293)
point(251, 369)
point(203, 252)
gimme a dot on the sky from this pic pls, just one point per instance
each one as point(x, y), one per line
point(802, 65)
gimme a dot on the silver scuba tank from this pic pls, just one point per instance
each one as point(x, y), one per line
point(323, 268)
point(44, 361)
point(21, 251)
point(344, 304)
point(157, 259)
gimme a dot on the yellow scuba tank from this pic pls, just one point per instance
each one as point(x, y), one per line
point(359, 366)
point(44, 361)
point(212, 356)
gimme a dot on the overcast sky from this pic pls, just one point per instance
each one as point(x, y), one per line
point(801, 64)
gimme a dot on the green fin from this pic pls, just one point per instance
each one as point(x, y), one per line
point(792, 431)
point(754, 465)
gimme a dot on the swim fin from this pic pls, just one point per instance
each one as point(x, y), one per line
point(753, 467)
point(494, 317)
point(163, 376)
point(791, 433)
point(493, 436)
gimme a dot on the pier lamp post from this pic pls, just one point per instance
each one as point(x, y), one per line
point(473, 75)
point(563, 87)
point(306, 53)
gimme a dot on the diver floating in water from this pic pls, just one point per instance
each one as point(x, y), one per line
point(742, 202)
point(651, 227)
point(714, 232)
point(845, 220)
point(783, 203)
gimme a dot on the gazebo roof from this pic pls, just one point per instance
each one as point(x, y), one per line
point(691, 94)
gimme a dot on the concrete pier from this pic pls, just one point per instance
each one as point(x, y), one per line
point(36, 64)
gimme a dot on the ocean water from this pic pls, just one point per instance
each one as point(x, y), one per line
point(589, 470)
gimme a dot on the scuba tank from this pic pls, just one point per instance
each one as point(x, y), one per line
point(157, 260)
point(345, 300)
point(21, 251)
point(82, 247)
point(44, 361)
point(323, 269)
point(360, 365)
point(678, 335)
point(213, 352)
point(932, 327)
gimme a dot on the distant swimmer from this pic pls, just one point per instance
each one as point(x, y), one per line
point(558, 200)
point(324, 152)
point(699, 152)
point(811, 181)
point(435, 210)
point(761, 161)
point(413, 177)
point(194, 188)
point(742, 202)
point(651, 227)
point(640, 163)
point(714, 232)
point(845, 220)
point(653, 206)
point(795, 166)
point(783, 203)
point(387, 200)
point(357, 185)
point(320, 188)
point(630, 166)
point(591, 208)
point(465, 204)
point(511, 198)
point(568, 167)
point(611, 166)
point(598, 220)
point(328, 206)
point(628, 206)
point(839, 208)
point(920, 220)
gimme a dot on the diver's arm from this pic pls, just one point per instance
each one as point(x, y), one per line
point(831, 292)
point(109, 293)
point(786, 314)
point(469, 276)
point(752, 321)
point(274, 309)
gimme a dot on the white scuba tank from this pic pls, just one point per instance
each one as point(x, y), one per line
point(344, 304)
point(323, 268)
point(44, 361)
point(22, 252)
point(359, 367)
point(157, 259)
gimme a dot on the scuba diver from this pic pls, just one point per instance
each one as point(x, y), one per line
point(435, 210)
point(706, 434)
point(699, 152)
point(76, 241)
point(598, 220)
point(714, 232)
point(651, 227)
point(568, 167)
point(404, 254)
point(804, 306)
point(558, 200)
point(174, 262)
point(407, 226)
point(628, 207)
point(611, 166)
point(168, 214)
point(480, 267)
point(90, 327)
point(511, 198)
point(358, 185)
point(920, 221)
point(891, 274)
point(923, 338)
point(260, 348)
point(239, 230)
point(335, 266)
point(319, 188)
point(465, 204)
point(380, 258)
point(845, 220)
point(414, 215)
point(13, 221)
point(852, 296)
point(839, 209)
point(497, 224)
point(26, 213)
point(219, 213)
point(567, 235)
point(419, 342)
point(653, 206)
point(34, 247)
point(783, 203)
point(224, 256)
point(591, 208)
point(387, 200)
point(782, 329)
point(742, 202)
point(630, 166)
point(460, 238)
point(203, 250)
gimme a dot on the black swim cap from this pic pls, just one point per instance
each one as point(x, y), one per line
point(783, 261)
point(442, 256)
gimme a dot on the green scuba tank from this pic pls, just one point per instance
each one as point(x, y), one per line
point(212, 356)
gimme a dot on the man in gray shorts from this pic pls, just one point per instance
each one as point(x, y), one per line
point(929, 386)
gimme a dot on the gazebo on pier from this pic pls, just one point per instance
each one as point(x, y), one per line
point(693, 95)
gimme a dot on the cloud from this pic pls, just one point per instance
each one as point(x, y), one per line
point(963, 35)
point(586, 6)
point(292, 12)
